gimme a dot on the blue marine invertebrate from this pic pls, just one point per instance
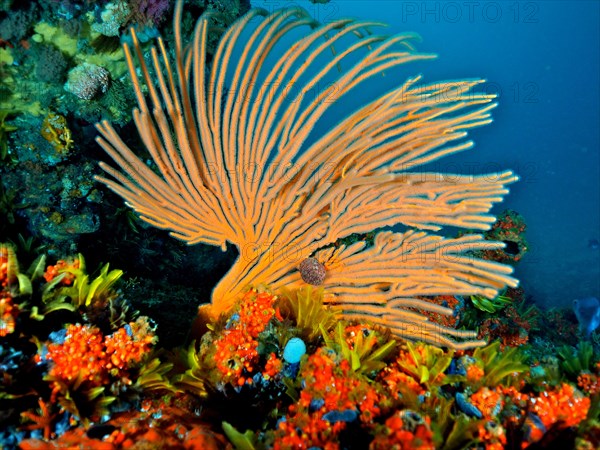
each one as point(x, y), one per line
point(294, 350)
point(587, 311)
point(467, 407)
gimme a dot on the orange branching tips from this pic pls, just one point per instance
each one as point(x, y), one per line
point(233, 172)
point(43, 421)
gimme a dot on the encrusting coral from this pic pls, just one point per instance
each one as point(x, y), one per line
point(238, 162)
point(351, 387)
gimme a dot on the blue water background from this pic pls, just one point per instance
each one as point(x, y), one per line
point(542, 59)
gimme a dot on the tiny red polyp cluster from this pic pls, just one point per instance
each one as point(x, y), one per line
point(87, 355)
point(399, 434)
point(81, 356)
point(60, 267)
point(129, 344)
point(330, 387)
point(236, 354)
point(3, 269)
point(562, 404)
point(8, 314)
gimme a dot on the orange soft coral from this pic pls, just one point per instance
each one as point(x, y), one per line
point(88, 356)
point(272, 366)
point(405, 430)
point(333, 395)
point(489, 402)
point(81, 356)
point(564, 404)
point(236, 348)
point(129, 344)
point(160, 423)
point(589, 383)
point(62, 266)
point(391, 377)
point(3, 269)
point(491, 435)
point(8, 315)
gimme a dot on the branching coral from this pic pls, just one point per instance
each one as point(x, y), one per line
point(238, 161)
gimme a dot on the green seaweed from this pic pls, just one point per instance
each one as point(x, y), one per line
point(152, 377)
point(193, 380)
point(574, 361)
point(83, 292)
point(366, 355)
point(491, 305)
point(428, 366)
point(498, 365)
point(305, 307)
point(240, 441)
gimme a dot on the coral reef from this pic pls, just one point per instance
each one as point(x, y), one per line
point(509, 228)
point(94, 376)
point(106, 356)
point(40, 123)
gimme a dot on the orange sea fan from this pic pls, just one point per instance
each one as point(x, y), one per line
point(234, 164)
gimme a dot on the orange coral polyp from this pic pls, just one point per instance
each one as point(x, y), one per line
point(474, 373)
point(60, 267)
point(88, 355)
point(3, 270)
point(80, 356)
point(589, 383)
point(125, 349)
point(563, 404)
point(8, 315)
point(487, 401)
point(236, 348)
